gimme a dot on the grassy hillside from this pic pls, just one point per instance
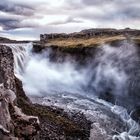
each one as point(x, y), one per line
point(88, 42)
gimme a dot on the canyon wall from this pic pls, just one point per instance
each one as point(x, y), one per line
point(14, 124)
point(124, 57)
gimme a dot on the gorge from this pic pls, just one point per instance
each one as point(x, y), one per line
point(92, 88)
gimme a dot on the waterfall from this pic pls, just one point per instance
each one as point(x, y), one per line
point(21, 57)
point(41, 77)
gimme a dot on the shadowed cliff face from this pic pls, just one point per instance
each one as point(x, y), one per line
point(111, 72)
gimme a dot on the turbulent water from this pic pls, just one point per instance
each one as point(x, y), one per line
point(63, 85)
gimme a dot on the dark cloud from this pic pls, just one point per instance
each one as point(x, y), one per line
point(11, 24)
point(8, 24)
point(17, 9)
point(15, 14)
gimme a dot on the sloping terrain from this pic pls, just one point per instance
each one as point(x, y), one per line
point(89, 38)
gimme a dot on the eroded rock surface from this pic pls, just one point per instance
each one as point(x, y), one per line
point(13, 123)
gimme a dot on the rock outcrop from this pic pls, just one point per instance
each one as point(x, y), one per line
point(14, 124)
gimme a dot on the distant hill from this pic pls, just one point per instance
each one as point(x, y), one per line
point(90, 33)
point(90, 37)
point(5, 40)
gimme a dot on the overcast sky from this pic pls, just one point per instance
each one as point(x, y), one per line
point(27, 19)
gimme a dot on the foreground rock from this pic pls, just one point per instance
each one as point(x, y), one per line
point(55, 124)
point(105, 124)
point(13, 123)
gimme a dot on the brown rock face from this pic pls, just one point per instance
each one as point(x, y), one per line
point(7, 82)
point(7, 68)
point(13, 123)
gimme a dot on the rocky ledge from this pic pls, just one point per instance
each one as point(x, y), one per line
point(87, 38)
point(14, 124)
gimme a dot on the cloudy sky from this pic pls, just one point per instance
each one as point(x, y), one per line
point(27, 19)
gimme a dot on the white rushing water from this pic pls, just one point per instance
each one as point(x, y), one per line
point(21, 57)
point(58, 83)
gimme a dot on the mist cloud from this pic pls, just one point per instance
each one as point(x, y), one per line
point(113, 74)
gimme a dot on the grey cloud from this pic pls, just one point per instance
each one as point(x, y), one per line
point(8, 24)
point(95, 2)
point(112, 10)
point(68, 20)
point(11, 24)
point(15, 15)
point(122, 9)
point(131, 12)
point(18, 9)
point(107, 2)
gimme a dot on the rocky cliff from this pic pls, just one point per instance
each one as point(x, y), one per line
point(14, 123)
